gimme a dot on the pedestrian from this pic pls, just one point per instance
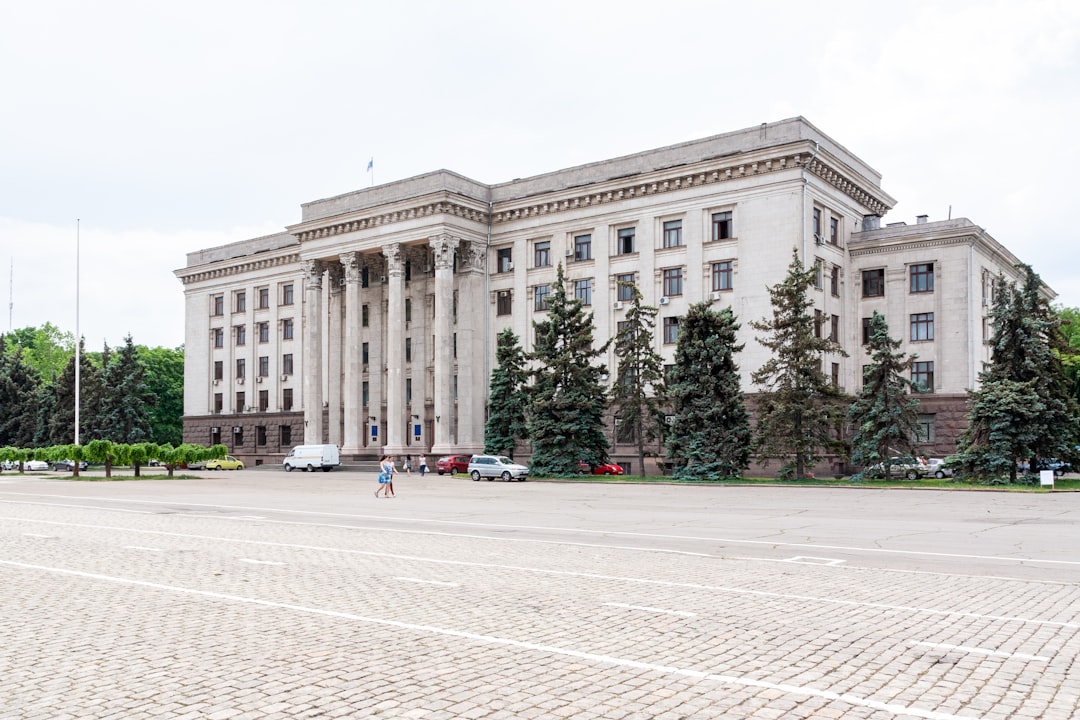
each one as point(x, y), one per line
point(408, 464)
point(386, 476)
point(423, 465)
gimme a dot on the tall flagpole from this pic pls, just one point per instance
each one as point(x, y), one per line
point(77, 363)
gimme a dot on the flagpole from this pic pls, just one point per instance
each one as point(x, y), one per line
point(77, 363)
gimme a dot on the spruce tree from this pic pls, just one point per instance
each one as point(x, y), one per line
point(798, 406)
point(60, 421)
point(19, 386)
point(567, 398)
point(884, 415)
point(710, 432)
point(127, 402)
point(508, 397)
point(639, 392)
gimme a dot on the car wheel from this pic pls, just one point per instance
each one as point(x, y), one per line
point(476, 475)
point(288, 468)
point(440, 472)
point(607, 472)
point(310, 469)
point(506, 476)
point(326, 469)
point(939, 474)
point(1059, 472)
point(912, 475)
point(240, 466)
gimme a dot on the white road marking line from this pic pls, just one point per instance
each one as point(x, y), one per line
point(565, 573)
point(811, 560)
point(260, 562)
point(38, 535)
point(427, 582)
point(683, 613)
point(895, 709)
point(143, 547)
point(982, 651)
point(586, 531)
point(224, 517)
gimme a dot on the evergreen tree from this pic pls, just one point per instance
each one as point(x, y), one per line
point(508, 398)
point(567, 398)
point(125, 410)
point(639, 391)
point(884, 415)
point(1023, 408)
point(710, 433)
point(59, 424)
point(19, 386)
point(798, 405)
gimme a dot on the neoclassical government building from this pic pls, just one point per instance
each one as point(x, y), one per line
point(371, 323)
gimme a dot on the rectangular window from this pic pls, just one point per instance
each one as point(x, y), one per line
point(218, 402)
point(365, 355)
point(924, 430)
point(583, 291)
point(287, 329)
point(504, 260)
point(219, 370)
point(241, 334)
point(286, 399)
point(241, 301)
point(540, 297)
point(836, 374)
point(922, 326)
point(408, 309)
point(365, 277)
point(722, 228)
point(285, 432)
point(582, 247)
point(408, 349)
point(264, 332)
point(260, 433)
point(365, 390)
point(834, 281)
point(264, 401)
point(817, 226)
point(264, 298)
point(264, 365)
point(673, 233)
point(504, 303)
point(873, 283)
point(286, 364)
point(866, 331)
point(673, 282)
point(624, 290)
point(671, 330)
point(219, 337)
point(365, 318)
point(626, 241)
point(542, 253)
point(408, 391)
point(834, 231)
point(217, 305)
point(240, 400)
point(287, 294)
point(922, 278)
point(819, 281)
point(723, 275)
point(241, 367)
point(922, 374)
point(819, 320)
point(834, 332)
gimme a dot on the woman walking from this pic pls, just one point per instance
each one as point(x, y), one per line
point(386, 476)
point(423, 466)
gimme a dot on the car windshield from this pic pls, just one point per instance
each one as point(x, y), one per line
point(505, 460)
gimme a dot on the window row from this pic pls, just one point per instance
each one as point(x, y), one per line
point(263, 370)
point(920, 280)
point(262, 296)
point(921, 328)
point(284, 436)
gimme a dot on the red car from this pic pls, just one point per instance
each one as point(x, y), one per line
point(453, 464)
point(603, 469)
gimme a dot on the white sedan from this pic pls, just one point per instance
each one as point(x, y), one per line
point(36, 465)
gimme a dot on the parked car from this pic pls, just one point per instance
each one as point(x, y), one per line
point(496, 466)
point(1060, 467)
point(35, 465)
point(911, 468)
point(452, 464)
point(601, 469)
point(938, 469)
point(69, 465)
point(312, 457)
point(226, 463)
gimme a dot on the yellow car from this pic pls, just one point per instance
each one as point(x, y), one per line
point(226, 463)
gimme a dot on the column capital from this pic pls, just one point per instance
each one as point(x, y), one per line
point(350, 263)
point(313, 272)
point(334, 273)
point(395, 259)
point(475, 254)
point(443, 246)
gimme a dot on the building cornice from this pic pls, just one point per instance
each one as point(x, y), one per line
point(188, 276)
point(330, 227)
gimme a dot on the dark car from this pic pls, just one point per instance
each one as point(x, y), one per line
point(453, 464)
point(68, 465)
point(1060, 467)
point(601, 469)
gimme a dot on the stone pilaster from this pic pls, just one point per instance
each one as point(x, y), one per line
point(313, 316)
point(334, 344)
point(373, 298)
point(352, 400)
point(472, 315)
point(443, 369)
point(395, 350)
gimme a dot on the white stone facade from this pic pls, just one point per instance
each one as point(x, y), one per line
point(422, 274)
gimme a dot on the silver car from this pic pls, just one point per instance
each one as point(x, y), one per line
point(496, 466)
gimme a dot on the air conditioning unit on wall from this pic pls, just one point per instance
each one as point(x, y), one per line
point(665, 300)
point(715, 295)
point(617, 305)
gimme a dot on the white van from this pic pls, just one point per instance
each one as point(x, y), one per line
point(312, 457)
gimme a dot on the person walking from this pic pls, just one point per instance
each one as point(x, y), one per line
point(386, 476)
point(408, 464)
point(423, 466)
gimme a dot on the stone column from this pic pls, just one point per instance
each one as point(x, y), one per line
point(472, 313)
point(395, 350)
point(313, 402)
point(443, 370)
point(373, 296)
point(354, 424)
point(334, 274)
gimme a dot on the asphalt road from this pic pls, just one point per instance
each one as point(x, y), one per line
point(265, 595)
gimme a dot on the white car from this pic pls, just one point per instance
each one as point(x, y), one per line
point(35, 465)
point(496, 466)
point(938, 469)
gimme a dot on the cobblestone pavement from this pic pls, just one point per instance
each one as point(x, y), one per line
point(260, 596)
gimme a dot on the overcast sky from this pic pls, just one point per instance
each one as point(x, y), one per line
point(171, 127)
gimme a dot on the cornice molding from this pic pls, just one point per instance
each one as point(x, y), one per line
point(292, 259)
point(889, 245)
point(443, 207)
